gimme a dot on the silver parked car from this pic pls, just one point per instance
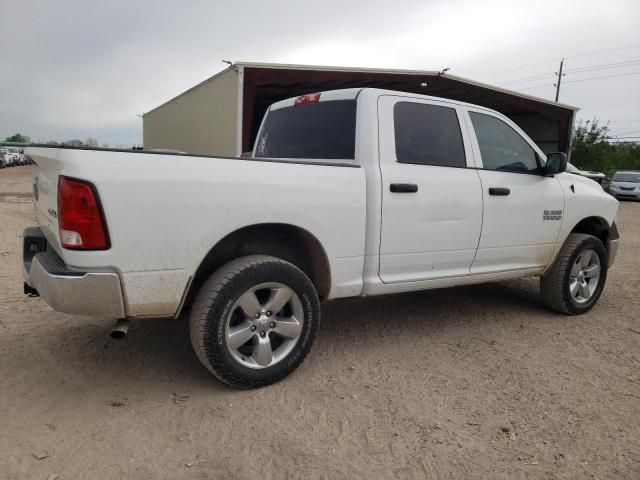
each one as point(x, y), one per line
point(625, 184)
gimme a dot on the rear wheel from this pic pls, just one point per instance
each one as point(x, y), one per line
point(576, 279)
point(254, 321)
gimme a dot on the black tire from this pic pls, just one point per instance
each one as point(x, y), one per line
point(212, 307)
point(554, 285)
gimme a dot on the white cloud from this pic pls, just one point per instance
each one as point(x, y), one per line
point(73, 69)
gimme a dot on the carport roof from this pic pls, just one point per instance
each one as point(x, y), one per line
point(400, 72)
point(264, 84)
point(378, 72)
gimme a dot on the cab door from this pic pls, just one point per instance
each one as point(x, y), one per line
point(523, 209)
point(431, 199)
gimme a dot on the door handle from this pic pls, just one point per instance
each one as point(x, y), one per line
point(403, 188)
point(499, 191)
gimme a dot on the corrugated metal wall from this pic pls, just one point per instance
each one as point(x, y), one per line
point(201, 121)
point(543, 130)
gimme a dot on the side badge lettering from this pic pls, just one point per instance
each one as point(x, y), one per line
point(552, 215)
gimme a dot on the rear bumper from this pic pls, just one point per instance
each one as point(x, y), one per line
point(68, 290)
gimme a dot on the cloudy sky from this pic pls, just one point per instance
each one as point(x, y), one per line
point(73, 69)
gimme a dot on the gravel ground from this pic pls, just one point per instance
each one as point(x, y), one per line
point(417, 385)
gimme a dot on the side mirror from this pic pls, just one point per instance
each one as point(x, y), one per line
point(556, 163)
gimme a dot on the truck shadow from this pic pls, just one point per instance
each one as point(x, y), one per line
point(159, 352)
point(425, 313)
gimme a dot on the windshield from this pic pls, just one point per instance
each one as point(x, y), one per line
point(627, 177)
point(321, 130)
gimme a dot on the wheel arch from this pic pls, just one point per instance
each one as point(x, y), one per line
point(596, 226)
point(288, 242)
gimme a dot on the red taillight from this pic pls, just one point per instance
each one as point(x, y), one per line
point(80, 217)
point(309, 98)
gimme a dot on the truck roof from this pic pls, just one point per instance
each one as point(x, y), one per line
point(353, 93)
point(329, 95)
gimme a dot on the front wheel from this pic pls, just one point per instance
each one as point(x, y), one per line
point(254, 321)
point(575, 282)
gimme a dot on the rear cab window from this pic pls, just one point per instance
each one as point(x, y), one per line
point(310, 129)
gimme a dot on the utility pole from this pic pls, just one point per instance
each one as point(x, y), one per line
point(557, 85)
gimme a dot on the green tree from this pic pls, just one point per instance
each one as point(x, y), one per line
point(18, 138)
point(592, 149)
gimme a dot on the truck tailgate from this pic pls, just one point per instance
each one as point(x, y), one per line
point(46, 170)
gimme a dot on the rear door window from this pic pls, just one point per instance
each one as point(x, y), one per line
point(321, 130)
point(428, 135)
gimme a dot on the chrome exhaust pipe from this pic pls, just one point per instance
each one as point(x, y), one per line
point(120, 329)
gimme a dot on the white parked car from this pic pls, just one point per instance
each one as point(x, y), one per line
point(12, 156)
point(595, 176)
point(8, 158)
point(350, 193)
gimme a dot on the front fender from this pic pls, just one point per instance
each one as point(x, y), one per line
point(584, 199)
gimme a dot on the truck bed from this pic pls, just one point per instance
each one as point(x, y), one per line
point(165, 212)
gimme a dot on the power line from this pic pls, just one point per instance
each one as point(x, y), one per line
point(625, 133)
point(536, 86)
point(532, 87)
point(606, 65)
point(605, 68)
point(574, 70)
point(604, 51)
point(540, 76)
point(527, 79)
point(492, 74)
point(604, 76)
point(578, 70)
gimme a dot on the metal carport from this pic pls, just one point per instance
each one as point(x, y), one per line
point(221, 115)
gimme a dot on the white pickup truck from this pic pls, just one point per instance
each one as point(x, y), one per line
point(348, 193)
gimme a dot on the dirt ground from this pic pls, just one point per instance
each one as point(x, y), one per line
point(405, 386)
